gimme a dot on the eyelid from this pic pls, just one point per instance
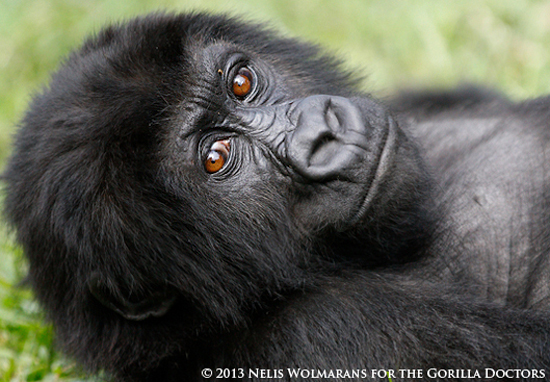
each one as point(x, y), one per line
point(209, 140)
point(223, 145)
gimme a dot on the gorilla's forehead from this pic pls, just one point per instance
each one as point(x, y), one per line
point(173, 49)
point(213, 57)
point(160, 39)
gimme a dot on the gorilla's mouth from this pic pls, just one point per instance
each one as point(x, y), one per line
point(385, 160)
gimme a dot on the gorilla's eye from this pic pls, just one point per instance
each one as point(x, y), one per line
point(217, 156)
point(242, 83)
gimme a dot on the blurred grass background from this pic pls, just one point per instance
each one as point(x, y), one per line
point(501, 43)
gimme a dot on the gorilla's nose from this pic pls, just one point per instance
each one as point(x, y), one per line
point(320, 137)
point(329, 138)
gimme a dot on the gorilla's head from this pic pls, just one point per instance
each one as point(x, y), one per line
point(180, 173)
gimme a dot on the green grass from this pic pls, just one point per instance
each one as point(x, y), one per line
point(501, 43)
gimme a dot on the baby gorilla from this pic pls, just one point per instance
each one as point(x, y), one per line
point(195, 192)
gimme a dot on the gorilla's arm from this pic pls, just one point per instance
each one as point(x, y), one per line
point(372, 321)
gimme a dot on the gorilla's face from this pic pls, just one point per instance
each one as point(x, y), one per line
point(223, 157)
point(193, 161)
point(251, 135)
point(261, 163)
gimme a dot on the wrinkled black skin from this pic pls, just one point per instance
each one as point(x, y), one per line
point(411, 236)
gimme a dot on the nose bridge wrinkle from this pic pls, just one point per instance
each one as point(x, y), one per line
point(268, 124)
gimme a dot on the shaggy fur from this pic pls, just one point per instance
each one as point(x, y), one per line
point(424, 246)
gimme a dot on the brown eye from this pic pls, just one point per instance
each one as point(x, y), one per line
point(242, 83)
point(217, 156)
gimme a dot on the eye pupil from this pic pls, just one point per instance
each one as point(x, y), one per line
point(214, 162)
point(242, 83)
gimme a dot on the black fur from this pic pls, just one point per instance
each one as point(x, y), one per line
point(371, 239)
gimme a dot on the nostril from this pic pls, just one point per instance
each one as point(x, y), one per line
point(320, 147)
point(323, 150)
point(331, 117)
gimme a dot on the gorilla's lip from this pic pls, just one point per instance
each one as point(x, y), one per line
point(384, 162)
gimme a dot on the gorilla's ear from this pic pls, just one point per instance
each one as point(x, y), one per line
point(153, 305)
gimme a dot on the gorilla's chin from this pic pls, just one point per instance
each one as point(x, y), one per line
point(385, 160)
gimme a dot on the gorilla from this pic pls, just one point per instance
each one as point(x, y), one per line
point(200, 198)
